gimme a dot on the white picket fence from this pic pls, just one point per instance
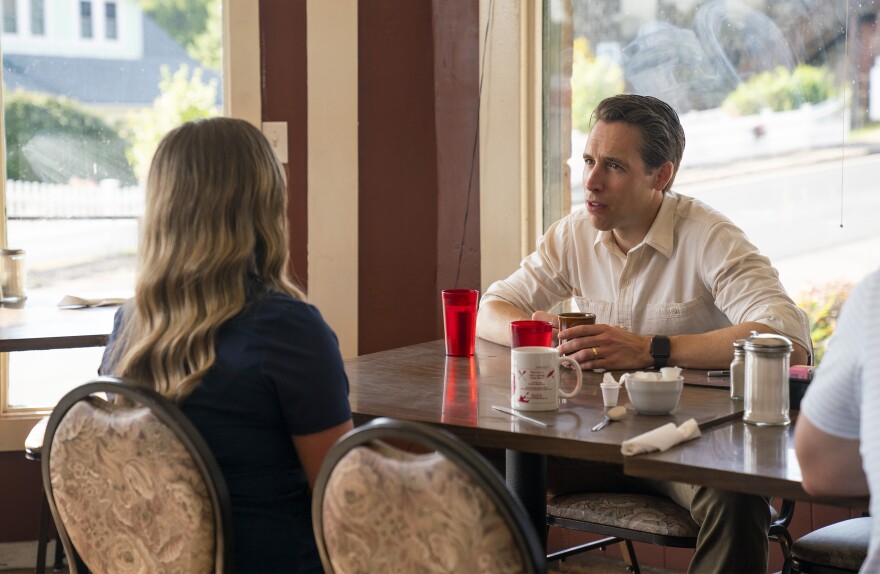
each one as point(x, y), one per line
point(106, 200)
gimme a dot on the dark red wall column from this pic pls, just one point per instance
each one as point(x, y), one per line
point(417, 109)
point(285, 99)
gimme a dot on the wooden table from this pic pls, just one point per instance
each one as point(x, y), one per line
point(421, 383)
point(38, 326)
point(736, 456)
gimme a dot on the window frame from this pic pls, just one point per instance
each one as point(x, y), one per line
point(241, 99)
point(511, 135)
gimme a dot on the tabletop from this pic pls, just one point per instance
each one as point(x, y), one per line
point(736, 456)
point(421, 383)
point(37, 325)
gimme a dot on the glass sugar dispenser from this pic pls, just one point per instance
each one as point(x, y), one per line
point(767, 358)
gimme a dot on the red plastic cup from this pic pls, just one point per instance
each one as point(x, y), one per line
point(460, 321)
point(531, 334)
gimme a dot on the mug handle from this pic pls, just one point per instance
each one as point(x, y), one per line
point(577, 371)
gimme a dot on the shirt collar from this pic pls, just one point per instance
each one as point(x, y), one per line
point(660, 236)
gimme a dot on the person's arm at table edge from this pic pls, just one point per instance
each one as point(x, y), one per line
point(493, 321)
point(830, 465)
point(712, 350)
point(715, 349)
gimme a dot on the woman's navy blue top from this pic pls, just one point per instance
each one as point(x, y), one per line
point(278, 373)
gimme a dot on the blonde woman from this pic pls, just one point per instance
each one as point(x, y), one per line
point(217, 325)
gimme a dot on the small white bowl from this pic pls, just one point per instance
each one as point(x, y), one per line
point(654, 397)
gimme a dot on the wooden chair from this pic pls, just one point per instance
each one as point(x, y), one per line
point(653, 519)
point(132, 485)
point(834, 549)
point(376, 508)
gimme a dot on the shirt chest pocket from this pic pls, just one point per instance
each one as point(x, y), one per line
point(678, 318)
point(601, 309)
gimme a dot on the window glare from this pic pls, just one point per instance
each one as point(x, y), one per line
point(780, 102)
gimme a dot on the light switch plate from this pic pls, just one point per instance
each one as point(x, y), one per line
point(276, 133)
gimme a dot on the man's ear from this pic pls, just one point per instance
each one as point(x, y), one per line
point(663, 175)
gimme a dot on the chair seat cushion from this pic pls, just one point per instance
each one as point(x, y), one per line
point(640, 512)
point(842, 545)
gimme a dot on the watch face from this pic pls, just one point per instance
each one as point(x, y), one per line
point(660, 346)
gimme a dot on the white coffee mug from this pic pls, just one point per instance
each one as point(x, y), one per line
point(535, 378)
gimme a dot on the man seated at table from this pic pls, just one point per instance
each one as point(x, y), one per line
point(670, 280)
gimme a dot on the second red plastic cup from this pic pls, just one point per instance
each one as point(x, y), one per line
point(531, 334)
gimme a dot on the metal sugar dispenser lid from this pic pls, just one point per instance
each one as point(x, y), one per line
point(769, 343)
point(766, 379)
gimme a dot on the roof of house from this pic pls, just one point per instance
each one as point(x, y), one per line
point(96, 81)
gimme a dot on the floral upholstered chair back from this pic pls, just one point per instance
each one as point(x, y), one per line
point(127, 493)
point(380, 509)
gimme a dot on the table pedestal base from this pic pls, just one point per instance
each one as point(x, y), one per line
point(526, 475)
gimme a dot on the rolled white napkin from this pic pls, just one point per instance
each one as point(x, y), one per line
point(662, 438)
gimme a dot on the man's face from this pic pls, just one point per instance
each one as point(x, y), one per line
point(622, 195)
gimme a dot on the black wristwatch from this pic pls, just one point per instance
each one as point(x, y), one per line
point(660, 350)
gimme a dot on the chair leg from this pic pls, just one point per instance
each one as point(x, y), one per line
point(629, 556)
point(58, 565)
point(43, 536)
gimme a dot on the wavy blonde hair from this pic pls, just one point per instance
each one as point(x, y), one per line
point(216, 213)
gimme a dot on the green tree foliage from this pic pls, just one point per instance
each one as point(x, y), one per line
point(184, 97)
point(194, 24)
point(54, 140)
point(592, 80)
point(781, 90)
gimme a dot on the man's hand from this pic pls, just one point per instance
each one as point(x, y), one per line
point(605, 347)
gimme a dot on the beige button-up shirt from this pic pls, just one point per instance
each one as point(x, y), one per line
point(694, 272)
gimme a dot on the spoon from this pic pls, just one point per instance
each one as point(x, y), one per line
point(613, 414)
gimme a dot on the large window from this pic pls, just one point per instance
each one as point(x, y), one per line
point(38, 17)
point(10, 17)
point(85, 19)
point(779, 101)
point(110, 25)
point(77, 154)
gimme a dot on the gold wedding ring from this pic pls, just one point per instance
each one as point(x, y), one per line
point(595, 353)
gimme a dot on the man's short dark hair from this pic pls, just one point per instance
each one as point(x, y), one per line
point(662, 134)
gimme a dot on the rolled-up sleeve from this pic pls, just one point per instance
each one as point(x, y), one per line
point(747, 288)
point(544, 278)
